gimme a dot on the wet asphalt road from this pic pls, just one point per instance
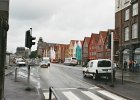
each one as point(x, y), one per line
point(69, 78)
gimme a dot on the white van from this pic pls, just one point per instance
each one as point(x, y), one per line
point(97, 68)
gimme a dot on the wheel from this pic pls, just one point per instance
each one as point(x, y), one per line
point(95, 76)
point(84, 74)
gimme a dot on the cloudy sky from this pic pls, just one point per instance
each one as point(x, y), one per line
point(58, 21)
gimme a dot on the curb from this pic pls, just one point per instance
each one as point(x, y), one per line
point(130, 81)
point(128, 98)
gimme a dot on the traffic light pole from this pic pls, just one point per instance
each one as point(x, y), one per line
point(4, 10)
point(28, 78)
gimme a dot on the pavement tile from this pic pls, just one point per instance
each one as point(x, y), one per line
point(16, 90)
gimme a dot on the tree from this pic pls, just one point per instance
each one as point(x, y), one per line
point(33, 54)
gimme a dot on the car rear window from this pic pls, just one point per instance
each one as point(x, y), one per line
point(104, 63)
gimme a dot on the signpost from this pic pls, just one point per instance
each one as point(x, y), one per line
point(4, 14)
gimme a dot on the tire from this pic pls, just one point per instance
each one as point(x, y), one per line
point(84, 74)
point(95, 76)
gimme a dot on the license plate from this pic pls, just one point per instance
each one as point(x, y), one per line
point(105, 69)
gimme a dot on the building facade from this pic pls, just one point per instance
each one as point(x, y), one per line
point(79, 52)
point(93, 46)
point(127, 21)
point(85, 47)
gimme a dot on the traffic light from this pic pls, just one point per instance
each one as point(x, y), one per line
point(29, 40)
point(109, 41)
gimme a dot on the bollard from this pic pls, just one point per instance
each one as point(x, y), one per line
point(122, 75)
point(28, 80)
point(50, 93)
point(16, 74)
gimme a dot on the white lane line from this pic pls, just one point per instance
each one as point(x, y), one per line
point(111, 95)
point(92, 96)
point(70, 95)
point(47, 96)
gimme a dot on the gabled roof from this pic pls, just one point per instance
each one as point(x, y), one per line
point(73, 41)
point(86, 39)
point(94, 37)
point(115, 35)
point(102, 37)
point(81, 42)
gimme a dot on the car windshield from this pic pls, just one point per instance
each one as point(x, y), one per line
point(104, 63)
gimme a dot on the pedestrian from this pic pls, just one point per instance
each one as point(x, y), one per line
point(125, 65)
point(135, 66)
point(131, 65)
point(114, 70)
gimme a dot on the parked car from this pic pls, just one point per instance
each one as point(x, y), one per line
point(44, 64)
point(72, 61)
point(98, 68)
point(20, 62)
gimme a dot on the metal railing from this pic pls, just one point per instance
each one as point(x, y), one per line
point(52, 91)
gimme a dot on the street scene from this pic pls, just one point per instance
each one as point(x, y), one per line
point(68, 83)
point(69, 50)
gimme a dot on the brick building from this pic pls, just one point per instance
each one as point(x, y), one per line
point(127, 21)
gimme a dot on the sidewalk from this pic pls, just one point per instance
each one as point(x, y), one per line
point(16, 90)
point(128, 76)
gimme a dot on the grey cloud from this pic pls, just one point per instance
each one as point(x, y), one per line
point(68, 19)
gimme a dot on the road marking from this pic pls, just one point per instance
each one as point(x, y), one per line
point(47, 96)
point(92, 96)
point(95, 87)
point(111, 95)
point(70, 95)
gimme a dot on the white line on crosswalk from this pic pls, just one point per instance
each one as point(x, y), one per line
point(70, 95)
point(47, 95)
point(111, 95)
point(92, 96)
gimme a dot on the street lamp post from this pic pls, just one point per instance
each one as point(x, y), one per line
point(112, 59)
point(4, 12)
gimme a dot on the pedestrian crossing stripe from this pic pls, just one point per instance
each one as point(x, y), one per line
point(92, 95)
point(111, 95)
point(70, 96)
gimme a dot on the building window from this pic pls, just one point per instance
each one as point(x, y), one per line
point(127, 14)
point(126, 33)
point(135, 9)
point(118, 3)
point(135, 30)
